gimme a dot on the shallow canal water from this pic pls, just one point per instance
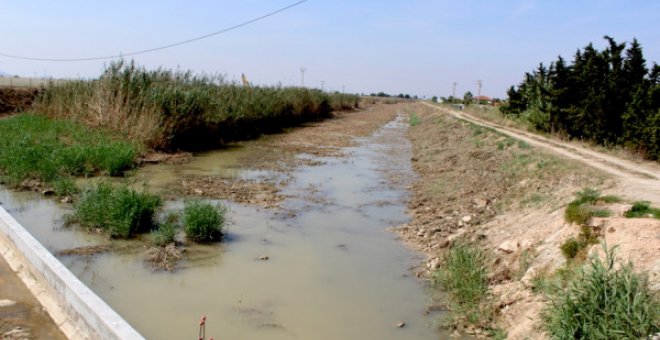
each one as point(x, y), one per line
point(333, 272)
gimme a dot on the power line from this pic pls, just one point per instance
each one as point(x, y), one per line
point(121, 55)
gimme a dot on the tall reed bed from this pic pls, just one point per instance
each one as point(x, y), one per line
point(169, 109)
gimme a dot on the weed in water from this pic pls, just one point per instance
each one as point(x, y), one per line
point(643, 209)
point(64, 186)
point(121, 212)
point(165, 234)
point(607, 300)
point(203, 222)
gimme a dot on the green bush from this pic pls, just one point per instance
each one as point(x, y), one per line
point(642, 209)
point(607, 300)
point(203, 222)
point(414, 119)
point(121, 212)
point(570, 248)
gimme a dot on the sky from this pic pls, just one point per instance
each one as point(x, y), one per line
point(418, 47)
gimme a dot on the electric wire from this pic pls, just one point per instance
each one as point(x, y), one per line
point(159, 48)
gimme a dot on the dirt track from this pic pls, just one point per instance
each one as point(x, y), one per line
point(637, 181)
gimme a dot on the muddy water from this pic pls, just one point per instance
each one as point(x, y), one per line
point(333, 271)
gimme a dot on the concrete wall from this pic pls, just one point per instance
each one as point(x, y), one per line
point(78, 312)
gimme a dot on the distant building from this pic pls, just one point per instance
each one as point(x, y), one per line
point(484, 100)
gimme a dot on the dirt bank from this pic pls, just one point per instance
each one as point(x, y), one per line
point(14, 100)
point(509, 195)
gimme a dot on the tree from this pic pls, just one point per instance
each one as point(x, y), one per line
point(467, 98)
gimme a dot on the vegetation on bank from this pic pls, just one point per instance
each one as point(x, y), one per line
point(602, 300)
point(34, 147)
point(464, 277)
point(643, 209)
point(607, 97)
point(179, 110)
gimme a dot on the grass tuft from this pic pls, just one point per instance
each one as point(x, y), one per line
point(166, 232)
point(643, 209)
point(203, 222)
point(581, 209)
point(121, 212)
point(607, 300)
point(414, 119)
point(464, 276)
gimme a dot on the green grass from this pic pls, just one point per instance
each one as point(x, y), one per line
point(174, 109)
point(203, 222)
point(464, 276)
point(414, 119)
point(121, 212)
point(607, 300)
point(167, 230)
point(581, 209)
point(51, 150)
point(643, 209)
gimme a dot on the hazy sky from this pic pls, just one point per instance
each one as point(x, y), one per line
point(417, 47)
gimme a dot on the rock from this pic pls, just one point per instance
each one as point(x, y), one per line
point(466, 219)
point(66, 199)
point(479, 203)
point(7, 303)
point(508, 246)
point(264, 258)
point(433, 263)
point(198, 192)
point(48, 192)
point(611, 230)
point(525, 244)
point(401, 324)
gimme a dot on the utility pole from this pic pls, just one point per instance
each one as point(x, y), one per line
point(302, 76)
point(342, 89)
point(478, 91)
point(322, 85)
point(453, 91)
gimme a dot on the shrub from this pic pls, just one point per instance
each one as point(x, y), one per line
point(642, 209)
point(570, 248)
point(203, 222)
point(607, 300)
point(121, 212)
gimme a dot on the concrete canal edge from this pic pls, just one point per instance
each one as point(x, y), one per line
point(77, 311)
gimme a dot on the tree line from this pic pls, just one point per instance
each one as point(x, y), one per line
point(608, 97)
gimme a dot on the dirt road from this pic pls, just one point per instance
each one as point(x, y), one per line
point(637, 180)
